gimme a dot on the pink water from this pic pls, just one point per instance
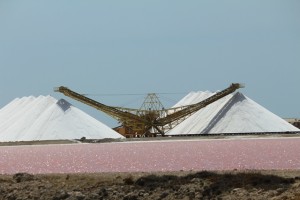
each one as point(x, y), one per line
point(280, 153)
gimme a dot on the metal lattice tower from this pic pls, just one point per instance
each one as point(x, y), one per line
point(152, 102)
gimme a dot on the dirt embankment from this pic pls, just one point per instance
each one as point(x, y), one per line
point(135, 186)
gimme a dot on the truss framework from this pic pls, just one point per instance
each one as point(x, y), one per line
point(151, 118)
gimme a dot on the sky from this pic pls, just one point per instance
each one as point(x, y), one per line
point(143, 46)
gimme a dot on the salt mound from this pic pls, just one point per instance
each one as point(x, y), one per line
point(45, 118)
point(231, 114)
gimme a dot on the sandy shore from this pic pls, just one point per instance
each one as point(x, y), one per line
point(173, 185)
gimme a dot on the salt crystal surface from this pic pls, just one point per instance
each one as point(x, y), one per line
point(231, 114)
point(45, 118)
point(225, 154)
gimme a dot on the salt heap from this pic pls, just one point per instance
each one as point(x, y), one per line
point(45, 118)
point(234, 113)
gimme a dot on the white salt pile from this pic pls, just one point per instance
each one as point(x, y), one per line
point(234, 113)
point(45, 118)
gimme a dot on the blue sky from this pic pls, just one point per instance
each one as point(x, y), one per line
point(122, 47)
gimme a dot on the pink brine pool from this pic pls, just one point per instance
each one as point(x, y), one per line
point(172, 155)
